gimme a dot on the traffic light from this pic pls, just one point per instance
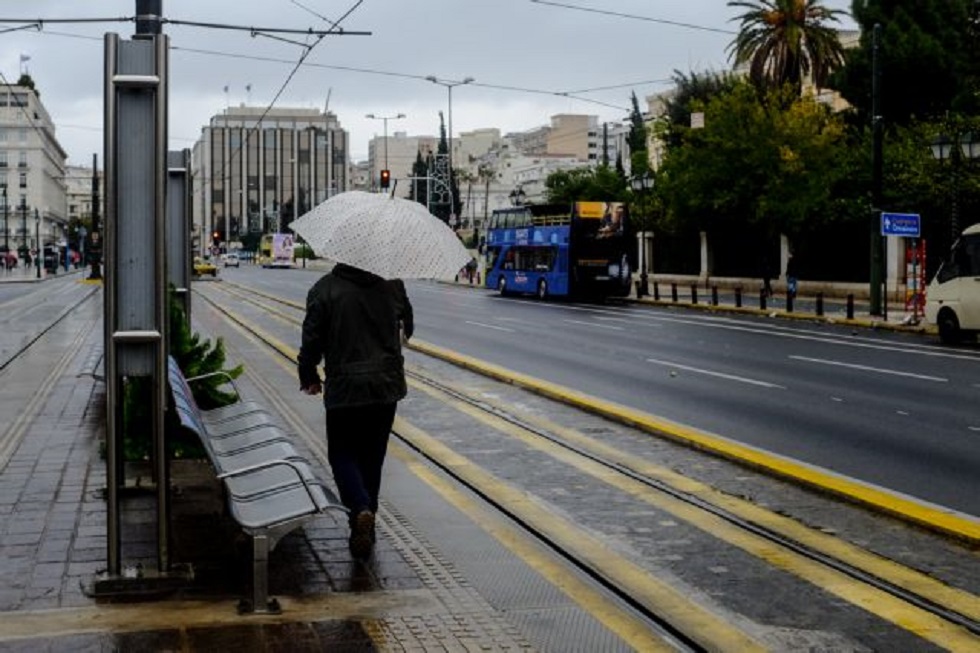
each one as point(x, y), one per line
point(385, 179)
point(217, 237)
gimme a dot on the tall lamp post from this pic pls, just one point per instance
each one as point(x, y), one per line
point(385, 120)
point(449, 84)
point(641, 185)
point(37, 242)
point(943, 148)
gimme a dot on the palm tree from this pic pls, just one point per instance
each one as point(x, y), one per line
point(785, 41)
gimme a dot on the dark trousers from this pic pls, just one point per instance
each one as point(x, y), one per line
point(357, 440)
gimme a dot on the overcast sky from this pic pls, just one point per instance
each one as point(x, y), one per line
point(523, 56)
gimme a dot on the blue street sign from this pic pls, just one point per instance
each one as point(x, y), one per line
point(900, 224)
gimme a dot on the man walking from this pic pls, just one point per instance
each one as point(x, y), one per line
point(354, 324)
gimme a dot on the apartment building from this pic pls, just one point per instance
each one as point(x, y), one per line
point(256, 170)
point(32, 172)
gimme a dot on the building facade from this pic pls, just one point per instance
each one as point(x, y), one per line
point(32, 172)
point(255, 171)
point(401, 152)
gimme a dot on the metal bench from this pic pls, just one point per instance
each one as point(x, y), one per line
point(271, 489)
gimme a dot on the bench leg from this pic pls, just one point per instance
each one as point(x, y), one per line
point(260, 603)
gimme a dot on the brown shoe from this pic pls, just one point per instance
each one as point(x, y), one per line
point(362, 535)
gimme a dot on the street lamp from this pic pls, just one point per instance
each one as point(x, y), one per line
point(385, 119)
point(517, 196)
point(944, 147)
point(641, 185)
point(37, 241)
point(449, 84)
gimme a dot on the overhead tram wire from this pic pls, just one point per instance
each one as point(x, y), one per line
point(662, 21)
point(306, 53)
point(572, 95)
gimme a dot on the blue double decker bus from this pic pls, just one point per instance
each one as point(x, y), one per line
point(560, 251)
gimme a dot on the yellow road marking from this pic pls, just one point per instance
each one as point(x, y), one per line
point(947, 522)
point(706, 628)
point(634, 632)
point(886, 606)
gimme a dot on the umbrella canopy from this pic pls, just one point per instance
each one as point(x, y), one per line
point(392, 237)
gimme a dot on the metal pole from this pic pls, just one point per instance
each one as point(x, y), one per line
point(385, 121)
point(876, 276)
point(6, 226)
point(452, 198)
point(37, 239)
point(95, 244)
point(23, 213)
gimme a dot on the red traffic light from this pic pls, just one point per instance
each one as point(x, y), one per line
point(385, 179)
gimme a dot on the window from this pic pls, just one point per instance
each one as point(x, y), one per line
point(23, 180)
point(3, 135)
point(22, 159)
point(22, 135)
point(3, 159)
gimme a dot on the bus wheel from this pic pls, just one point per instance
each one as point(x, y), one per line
point(949, 327)
point(542, 289)
point(502, 285)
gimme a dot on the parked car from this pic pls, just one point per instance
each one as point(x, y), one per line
point(231, 260)
point(204, 267)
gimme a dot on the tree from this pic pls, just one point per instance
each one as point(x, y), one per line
point(786, 41)
point(28, 82)
point(420, 172)
point(692, 93)
point(578, 184)
point(756, 163)
point(931, 44)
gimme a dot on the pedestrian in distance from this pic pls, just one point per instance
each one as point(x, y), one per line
point(791, 279)
point(355, 323)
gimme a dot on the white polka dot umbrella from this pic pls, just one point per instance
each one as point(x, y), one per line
point(392, 237)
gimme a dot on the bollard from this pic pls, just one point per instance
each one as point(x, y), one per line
point(694, 293)
point(789, 301)
point(738, 297)
point(673, 292)
point(656, 291)
point(819, 303)
point(762, 300)
point(714, 295)
point(850, 307)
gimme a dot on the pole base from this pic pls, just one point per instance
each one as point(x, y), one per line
point(134, 583)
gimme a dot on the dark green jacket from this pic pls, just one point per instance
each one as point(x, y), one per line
point(352, 325)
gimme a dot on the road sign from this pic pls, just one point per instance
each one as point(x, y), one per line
point(900, 224)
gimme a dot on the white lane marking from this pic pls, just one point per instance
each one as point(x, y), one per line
point(976, 429)
point(837, 399)
point(904, 413)
point(490, 326)
point(593, 324)
point(612, 319)
point(866, 368)
point(730, 377)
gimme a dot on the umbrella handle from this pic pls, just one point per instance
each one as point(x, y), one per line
point(394, 185)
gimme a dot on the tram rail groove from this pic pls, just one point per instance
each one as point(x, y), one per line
point(929, 605)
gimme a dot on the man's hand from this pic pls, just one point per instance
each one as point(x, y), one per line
point(313, 389)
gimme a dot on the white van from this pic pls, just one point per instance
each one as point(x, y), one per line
point(953, 297)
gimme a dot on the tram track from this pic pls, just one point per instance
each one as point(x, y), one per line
point(36, 387)
point(915, 601)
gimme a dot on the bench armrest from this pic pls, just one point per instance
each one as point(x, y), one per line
point(299, 475)
point(228, 379)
